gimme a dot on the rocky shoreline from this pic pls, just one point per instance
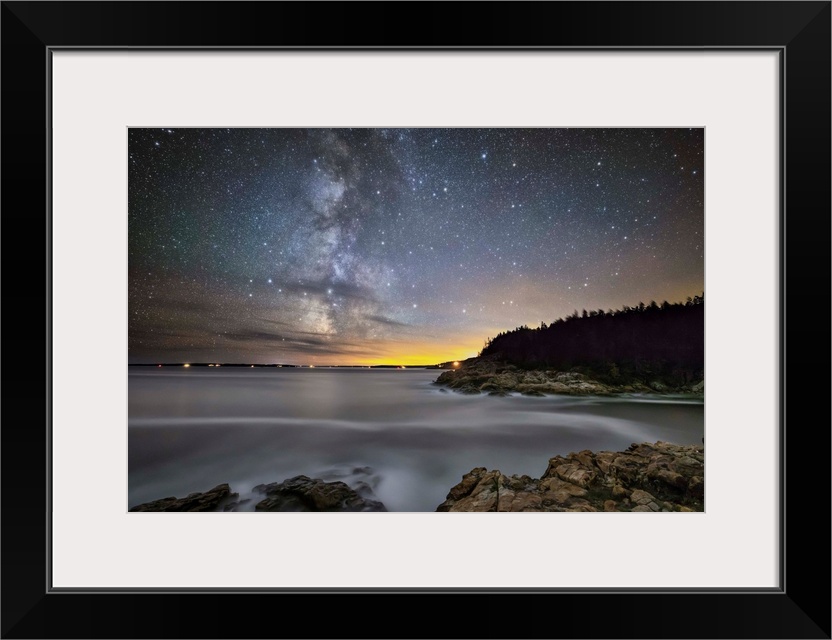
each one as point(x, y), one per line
point(497, 378)
point(646, 477)
point(300, 493)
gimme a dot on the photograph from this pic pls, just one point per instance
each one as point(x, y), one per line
point(350, 292)
point(416, 319)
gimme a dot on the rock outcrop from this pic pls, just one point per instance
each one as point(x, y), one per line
point(495, 377)
point(645, 477)
point(208, 501)
point(302, 493)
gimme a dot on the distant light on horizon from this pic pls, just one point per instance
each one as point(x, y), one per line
point(421, 275)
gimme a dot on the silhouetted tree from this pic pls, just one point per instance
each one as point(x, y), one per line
point(647, 343)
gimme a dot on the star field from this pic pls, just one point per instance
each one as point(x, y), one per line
point(374, 246)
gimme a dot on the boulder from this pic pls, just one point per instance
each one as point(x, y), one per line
point(207, 501)
point(303, 493)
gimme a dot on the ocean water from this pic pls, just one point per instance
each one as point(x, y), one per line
point(192, 429)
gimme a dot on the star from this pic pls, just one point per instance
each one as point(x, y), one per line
point(304, 207)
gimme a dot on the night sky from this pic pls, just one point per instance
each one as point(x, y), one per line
point(398, 246)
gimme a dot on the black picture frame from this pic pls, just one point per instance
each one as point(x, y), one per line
point(799, 31)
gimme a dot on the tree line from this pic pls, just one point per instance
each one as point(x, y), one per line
point(662, 341)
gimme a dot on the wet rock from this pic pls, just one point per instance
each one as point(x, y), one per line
point(468, 389)
point(490, 375)
point(303, 493)
point(477, 491)
point(646, 477)
point(207, 501)
point(234, 506)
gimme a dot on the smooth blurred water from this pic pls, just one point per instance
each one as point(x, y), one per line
point(192, 429)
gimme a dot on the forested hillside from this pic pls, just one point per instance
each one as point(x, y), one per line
point(665, 340)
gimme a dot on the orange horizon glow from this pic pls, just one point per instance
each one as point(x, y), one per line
point(409, 352)
point(398, 353)
point(410, 362)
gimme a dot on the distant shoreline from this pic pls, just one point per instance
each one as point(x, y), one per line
point(496, 377)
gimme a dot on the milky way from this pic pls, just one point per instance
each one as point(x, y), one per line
point(411, 246)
